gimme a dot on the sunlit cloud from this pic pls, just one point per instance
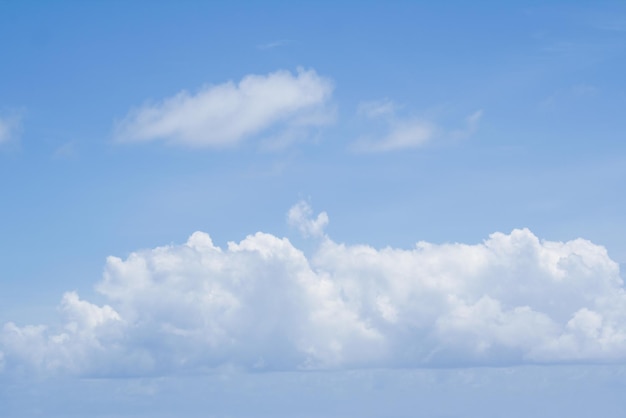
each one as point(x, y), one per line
point(226, 114)
point(263, 304)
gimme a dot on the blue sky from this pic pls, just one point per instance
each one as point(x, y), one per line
point(448, 178)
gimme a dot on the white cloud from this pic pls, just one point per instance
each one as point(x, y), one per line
point(300, 216)
point(402, 135)
point(263, 304)
point(406, 132)
point(275, 44)
point(89, 332)
point(226, 114)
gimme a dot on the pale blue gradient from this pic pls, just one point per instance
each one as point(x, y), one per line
point(520, 392)
point(549, 154)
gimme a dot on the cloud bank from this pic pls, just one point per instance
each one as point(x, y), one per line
point(225, 114)
point(262, 304)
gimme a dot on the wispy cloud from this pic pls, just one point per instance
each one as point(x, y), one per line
point(225, 114)
point(471, 126)
point(615, 22)
point(275, 44)
point(9, 127)
point(67, 150)
point(406, 132)
point(377, 108)
point(565, 96)
point(402, 134)
point(262, 304)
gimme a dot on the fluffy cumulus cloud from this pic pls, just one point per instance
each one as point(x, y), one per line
point(262, 304)
point(279, 104)
point(406, 132)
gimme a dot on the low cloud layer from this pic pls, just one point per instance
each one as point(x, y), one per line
point(262, 304)
point(279, 104)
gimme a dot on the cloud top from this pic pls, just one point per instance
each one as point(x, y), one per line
point(262, 304)
point(225, 114)
point(301, 216)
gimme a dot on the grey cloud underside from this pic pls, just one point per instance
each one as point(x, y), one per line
point(261, 304)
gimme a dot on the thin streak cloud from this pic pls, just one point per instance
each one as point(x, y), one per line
point(226, 114)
